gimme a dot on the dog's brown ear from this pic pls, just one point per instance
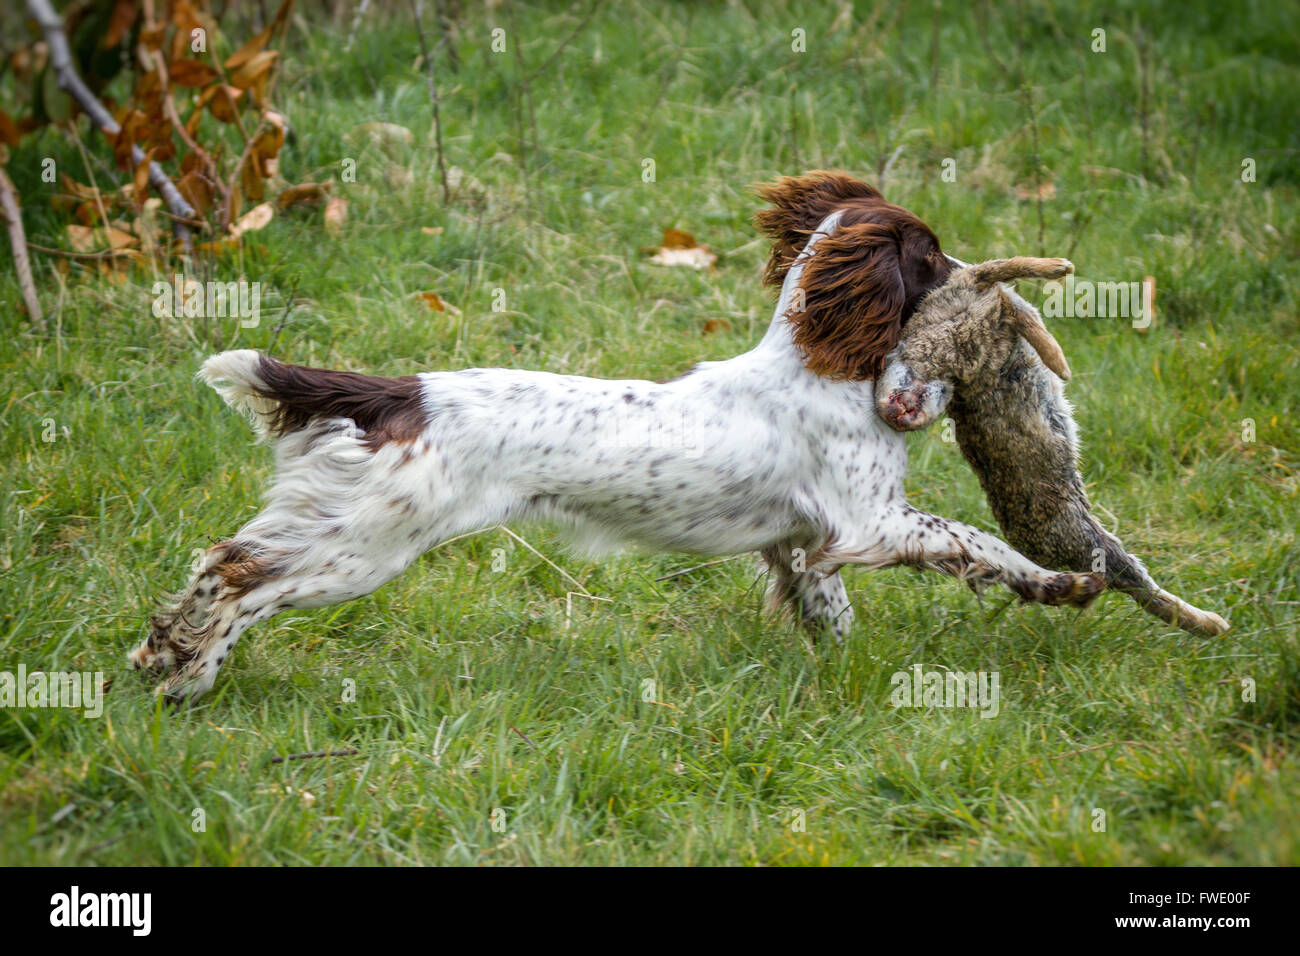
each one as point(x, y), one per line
point(799, 204)
point(852, 308)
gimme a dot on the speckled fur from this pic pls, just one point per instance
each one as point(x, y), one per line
point(757, 453)
point(1016, 429)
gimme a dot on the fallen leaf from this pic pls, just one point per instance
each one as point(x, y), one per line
point(716, 325)
point(677, 239)
point(438, 304)
point(336, 213)
point(383, 133)
point(697, 257)
point(89, 239)
point(303, 194)
point(256, 218)
point(82, 238)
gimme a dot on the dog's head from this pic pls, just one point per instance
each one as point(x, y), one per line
point(866, 278)
point(963, 336)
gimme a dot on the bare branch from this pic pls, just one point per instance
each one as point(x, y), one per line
point(12, 215)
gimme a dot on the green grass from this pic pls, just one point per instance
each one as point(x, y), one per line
point(481, 690)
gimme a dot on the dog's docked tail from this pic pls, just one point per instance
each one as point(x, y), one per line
point(279, 398)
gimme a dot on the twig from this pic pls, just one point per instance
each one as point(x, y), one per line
point(316, 753)
point(12, 214)
point(568, 605)
point(89, 256)
point(1038, 182)
point(356, 22)
point(706, 564)
point(446, 27)
point(576, 582)
point(886, 166)
point(524, 736)
point(567, 40)
point(934, 45)
point(433, 95)
point(61, 60)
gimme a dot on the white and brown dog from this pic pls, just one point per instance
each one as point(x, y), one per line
point(777, 450)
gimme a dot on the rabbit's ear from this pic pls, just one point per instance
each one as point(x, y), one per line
point(1030, 325)
point(1019, 267)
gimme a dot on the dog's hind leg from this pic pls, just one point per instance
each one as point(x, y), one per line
point(817, 598)
point(257, 581)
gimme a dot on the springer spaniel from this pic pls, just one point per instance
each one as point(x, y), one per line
point(778, 450)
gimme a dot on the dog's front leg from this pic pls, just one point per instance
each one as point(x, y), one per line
point(817, 597)
point(911, 537)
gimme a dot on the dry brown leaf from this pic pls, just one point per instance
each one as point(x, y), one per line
point(223, 102)
point(140, 179)
point(256, 218)
point(336, 213)
point(192, 74)
point(87, 239)
point(121, 20)
point(249, 49)
point(716, 325)
point(119, 239)
point(197, 191)
point(431, 230)
point(255, 68)
point(267, 143)
point(152, 39)
point(677, 239)
point(82, 238)
point(251, 177)
point(438, 304)
point(303, 194)
point(9, 132)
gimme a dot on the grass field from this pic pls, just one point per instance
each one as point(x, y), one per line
point(499, 717)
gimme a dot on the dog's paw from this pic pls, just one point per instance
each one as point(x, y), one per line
point(187, 684)
point(147, 658)
point(1070, 588)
